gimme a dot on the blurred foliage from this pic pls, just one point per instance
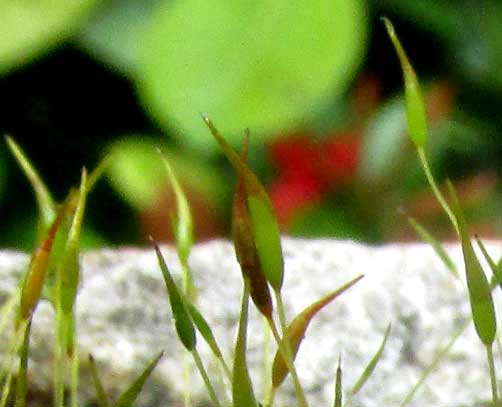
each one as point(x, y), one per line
point(317, 84)
point(30, 28)
point(247, 64)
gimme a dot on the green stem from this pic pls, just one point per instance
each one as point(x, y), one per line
point(286, 350)
point(493, 376)
point(435, 189)
point(205, 378)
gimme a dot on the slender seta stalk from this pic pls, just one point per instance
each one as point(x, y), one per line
point(493, 377)
point(434, 187)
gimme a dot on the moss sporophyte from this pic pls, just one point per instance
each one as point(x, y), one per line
point(53, 276)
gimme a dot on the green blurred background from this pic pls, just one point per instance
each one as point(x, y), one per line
point(316, 82)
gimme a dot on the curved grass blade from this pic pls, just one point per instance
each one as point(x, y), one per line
point(297, 328)
point(46, 205)
point(131, 394)
point(496, 268)
point(265, 228)
point(98, 172)
point(69, 270)
point(338, 384)
point(34, 282)
point(415, 107)
point(183, 224)
point(427, 237)
point(242, 387)
point(371, 366)
point(98, 384)
point(182, 320)
point(244, 245)
point(480, 296)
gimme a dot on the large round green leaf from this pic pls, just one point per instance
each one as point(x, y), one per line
point(262, 65)
point(30, 27)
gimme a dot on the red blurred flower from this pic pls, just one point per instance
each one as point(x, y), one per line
point(308, 169)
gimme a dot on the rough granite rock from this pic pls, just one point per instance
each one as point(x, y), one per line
point(124, 320)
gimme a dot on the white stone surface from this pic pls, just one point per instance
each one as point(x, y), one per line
point(124, 320)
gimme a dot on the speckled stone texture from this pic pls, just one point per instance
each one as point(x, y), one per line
point(124, 320)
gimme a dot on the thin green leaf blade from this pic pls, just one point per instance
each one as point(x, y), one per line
point(37, 270)
point(242, 387)
point(128, 398)
point(372, 364)
point(182, 320)
point(495, 267)
point(46, 205)
point(98, 384)
point(297, 328)
point(338, 384)
point(480, 296)
point(69, 271)
point(22, 376)
point(183, 228)
point(415, 108)
point(427, 237)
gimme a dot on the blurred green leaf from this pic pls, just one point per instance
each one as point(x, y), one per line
point(30, 28)
point(384, 143)
point(113, 34)
point(138, 175)
point(261, 65)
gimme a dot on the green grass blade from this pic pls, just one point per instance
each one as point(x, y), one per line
point(427, 237)
point(183, 224)
point(128, 398)
point(372, 364)
point(338, 384)
point(265, 228)
point(480, 296)
point(242, 387)
point(46, 205)
point(415, 107)
point(182, 320)
point(102, 398)
point(22, 376)
point(495, 267)
point(37, 270)
point(98, 172)
point(297, 328)
point(69, 270)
